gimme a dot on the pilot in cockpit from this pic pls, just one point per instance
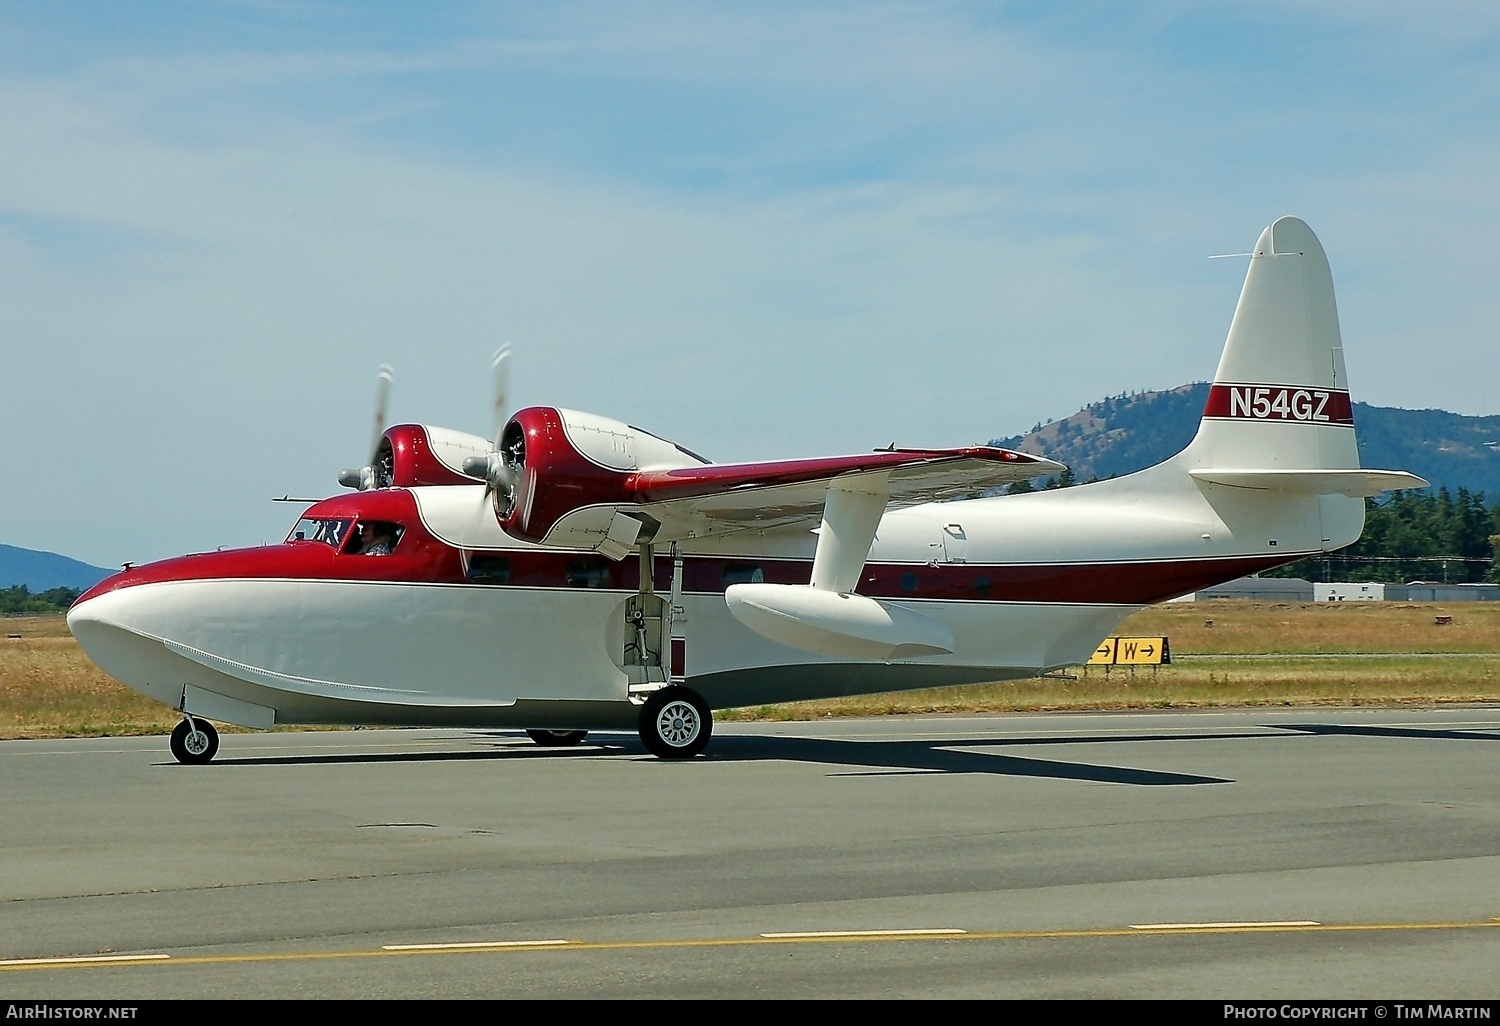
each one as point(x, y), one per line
point(379, 539)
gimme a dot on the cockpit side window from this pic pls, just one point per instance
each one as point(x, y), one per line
point(376, 538)
point(319, 529)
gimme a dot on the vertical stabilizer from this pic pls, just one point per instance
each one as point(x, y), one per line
point(1276, 446)
point(1280, 398)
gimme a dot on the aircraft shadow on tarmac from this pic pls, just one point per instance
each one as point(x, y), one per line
point(882, 758)
point(924, 756)
point(941, 756)
point(1333, 729)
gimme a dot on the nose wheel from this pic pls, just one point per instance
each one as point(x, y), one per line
point(675, 723)
point(194, 741)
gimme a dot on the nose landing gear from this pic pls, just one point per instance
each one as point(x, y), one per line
point(194, 741)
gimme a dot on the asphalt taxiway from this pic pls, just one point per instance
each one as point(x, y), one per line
point(1250, 854)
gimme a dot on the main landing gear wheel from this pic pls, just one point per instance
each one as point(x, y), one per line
point(557, 738)
point(194, 741)
point(676, 723)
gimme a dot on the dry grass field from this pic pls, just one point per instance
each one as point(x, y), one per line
point(1228, 653)
point(48, 688)
point(1238, 653)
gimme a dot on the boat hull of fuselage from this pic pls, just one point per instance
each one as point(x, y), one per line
point(358, 652)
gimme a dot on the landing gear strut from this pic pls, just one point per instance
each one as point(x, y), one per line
point(675, 723)
point(194, 741)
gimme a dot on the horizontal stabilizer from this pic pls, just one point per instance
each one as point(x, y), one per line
point(1353, 483)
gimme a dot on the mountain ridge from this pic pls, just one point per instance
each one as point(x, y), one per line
point(42, 571)
point(1121, 434)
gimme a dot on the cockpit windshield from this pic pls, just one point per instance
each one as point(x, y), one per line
point(314, 529)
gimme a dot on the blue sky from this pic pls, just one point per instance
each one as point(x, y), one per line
point(760, 229)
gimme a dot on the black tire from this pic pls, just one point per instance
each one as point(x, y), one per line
point(200, 747)
point(676, 723)
point(557, 738)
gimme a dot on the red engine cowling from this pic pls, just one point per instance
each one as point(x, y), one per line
point(562, 461)
point(411, 455)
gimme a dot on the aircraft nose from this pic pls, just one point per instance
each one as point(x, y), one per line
point(100, 621)
point(109, 628)
point(84, 615)
point(106, 604)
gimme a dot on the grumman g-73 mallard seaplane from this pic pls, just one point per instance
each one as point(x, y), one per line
point(575, 573)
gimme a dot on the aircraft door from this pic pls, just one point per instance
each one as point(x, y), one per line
point(955, 544)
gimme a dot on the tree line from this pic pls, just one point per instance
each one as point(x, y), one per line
point(1415, 535)
point(18, 600)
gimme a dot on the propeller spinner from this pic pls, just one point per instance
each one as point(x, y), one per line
point(367, 477)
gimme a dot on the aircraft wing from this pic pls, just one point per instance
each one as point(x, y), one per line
point(715, 499)
point(794, 490)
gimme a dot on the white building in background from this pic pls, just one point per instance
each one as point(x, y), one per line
point(1433, 591)
point(1295, 589)
point(1260, 589)
point(1348, 592)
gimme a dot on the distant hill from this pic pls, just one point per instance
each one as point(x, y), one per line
point(1131, 432)
point(42, 571)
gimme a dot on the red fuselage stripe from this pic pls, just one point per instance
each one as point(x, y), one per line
point(419, 561)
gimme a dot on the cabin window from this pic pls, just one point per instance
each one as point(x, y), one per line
point(742, 573)
point(908, 582)
point(376, 538)
point(488, 569)
point(588, 573)
point(982, 586)
point(319, 529)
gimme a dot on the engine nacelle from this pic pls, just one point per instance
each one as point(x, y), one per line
point(410, 455)
point(565, 464)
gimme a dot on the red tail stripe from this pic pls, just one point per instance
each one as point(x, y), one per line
point(1299, 404)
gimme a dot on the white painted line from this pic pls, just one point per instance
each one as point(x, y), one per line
point(83, 960)
point(863, 933)
point(1267, 924)
point(474, 945)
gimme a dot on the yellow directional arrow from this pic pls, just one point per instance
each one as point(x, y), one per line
point(1104, 655)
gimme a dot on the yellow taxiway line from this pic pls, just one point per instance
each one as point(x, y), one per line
point(519, 946)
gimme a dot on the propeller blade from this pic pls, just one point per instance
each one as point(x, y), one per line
point(500, 385)
point(492, 466)
point(382, 397)
point(363, 478)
